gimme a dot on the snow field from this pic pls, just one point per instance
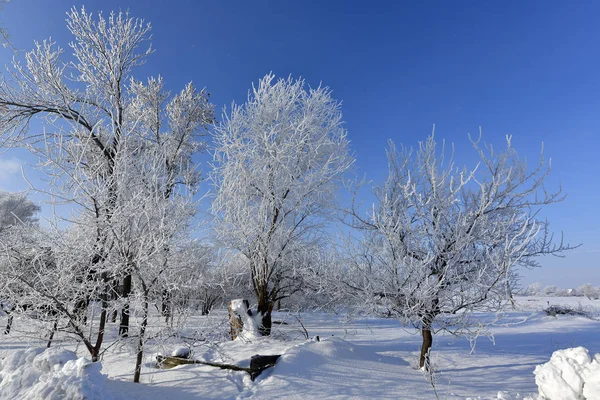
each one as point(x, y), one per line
point(356, 358)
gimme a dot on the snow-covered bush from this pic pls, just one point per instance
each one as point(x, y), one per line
point(533, 289)
point(555, 310)
point(550, 290)
point(589, 291)
point(51, 374)
point(571, 374)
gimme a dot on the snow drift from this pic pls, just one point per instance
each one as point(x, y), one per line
point(50, 374)
point(323, 369)
point(571, 374)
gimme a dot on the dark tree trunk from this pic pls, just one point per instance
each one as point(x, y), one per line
point(114, 315)
point(426, 347)
point(101, 328)
point(9, 324)
point(265, 309)
point(80, 309)
point(124, 326)
point(140, 346)
point(208, 303)
point(54, 328)
point(165, 306)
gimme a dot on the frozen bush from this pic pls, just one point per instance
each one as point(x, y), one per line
point(589, 291)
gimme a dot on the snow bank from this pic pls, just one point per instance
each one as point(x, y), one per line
point(335, 369)
point(50, 374)
point(182, 352)
point(571, 374)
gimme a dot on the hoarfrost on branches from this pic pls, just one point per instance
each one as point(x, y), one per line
point(278, 160)
point(117, 149)
point(441, 242)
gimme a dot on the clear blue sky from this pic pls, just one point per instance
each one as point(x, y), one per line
point(526, 68)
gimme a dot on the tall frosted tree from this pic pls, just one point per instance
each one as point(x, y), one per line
point(442, 242)
point(105, 135)
point(278, 161)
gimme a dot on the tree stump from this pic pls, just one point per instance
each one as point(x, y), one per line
point(235, 320)
point(259, 363)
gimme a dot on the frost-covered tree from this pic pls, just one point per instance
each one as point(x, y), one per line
point(534, 289)
point(148, 234)
point(442, 242)
point(41, 273)
point(101, 126)
point(278, 160)
point(17, 222)
point(550, 290)
point(589, 291)
point(16, 209)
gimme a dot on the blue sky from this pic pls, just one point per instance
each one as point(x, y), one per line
point(525, 68)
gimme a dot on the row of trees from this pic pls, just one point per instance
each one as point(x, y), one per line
point(120, 150)
point(587, 290)
point(438, 244)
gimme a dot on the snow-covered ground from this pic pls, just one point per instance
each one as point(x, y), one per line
point(360, 358)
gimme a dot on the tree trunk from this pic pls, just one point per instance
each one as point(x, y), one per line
point(80, 309)
point(235, 320)
point(426, 347)
point(165, 306)
point(9, 324)
point(113, 318)
point(95, 351)
point(140, 346)
point(54, 328)
point(101, 328)
point(265, 310)
point(124, 326)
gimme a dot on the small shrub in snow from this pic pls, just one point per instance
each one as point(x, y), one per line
point(571, 374)
point(578, 310)
point(553, 311)
point(589, 291)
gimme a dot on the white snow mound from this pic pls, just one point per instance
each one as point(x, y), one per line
point(252, 322)
point(571, 374)
point(182, 352)
point(50, 374)
point(315, 370)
